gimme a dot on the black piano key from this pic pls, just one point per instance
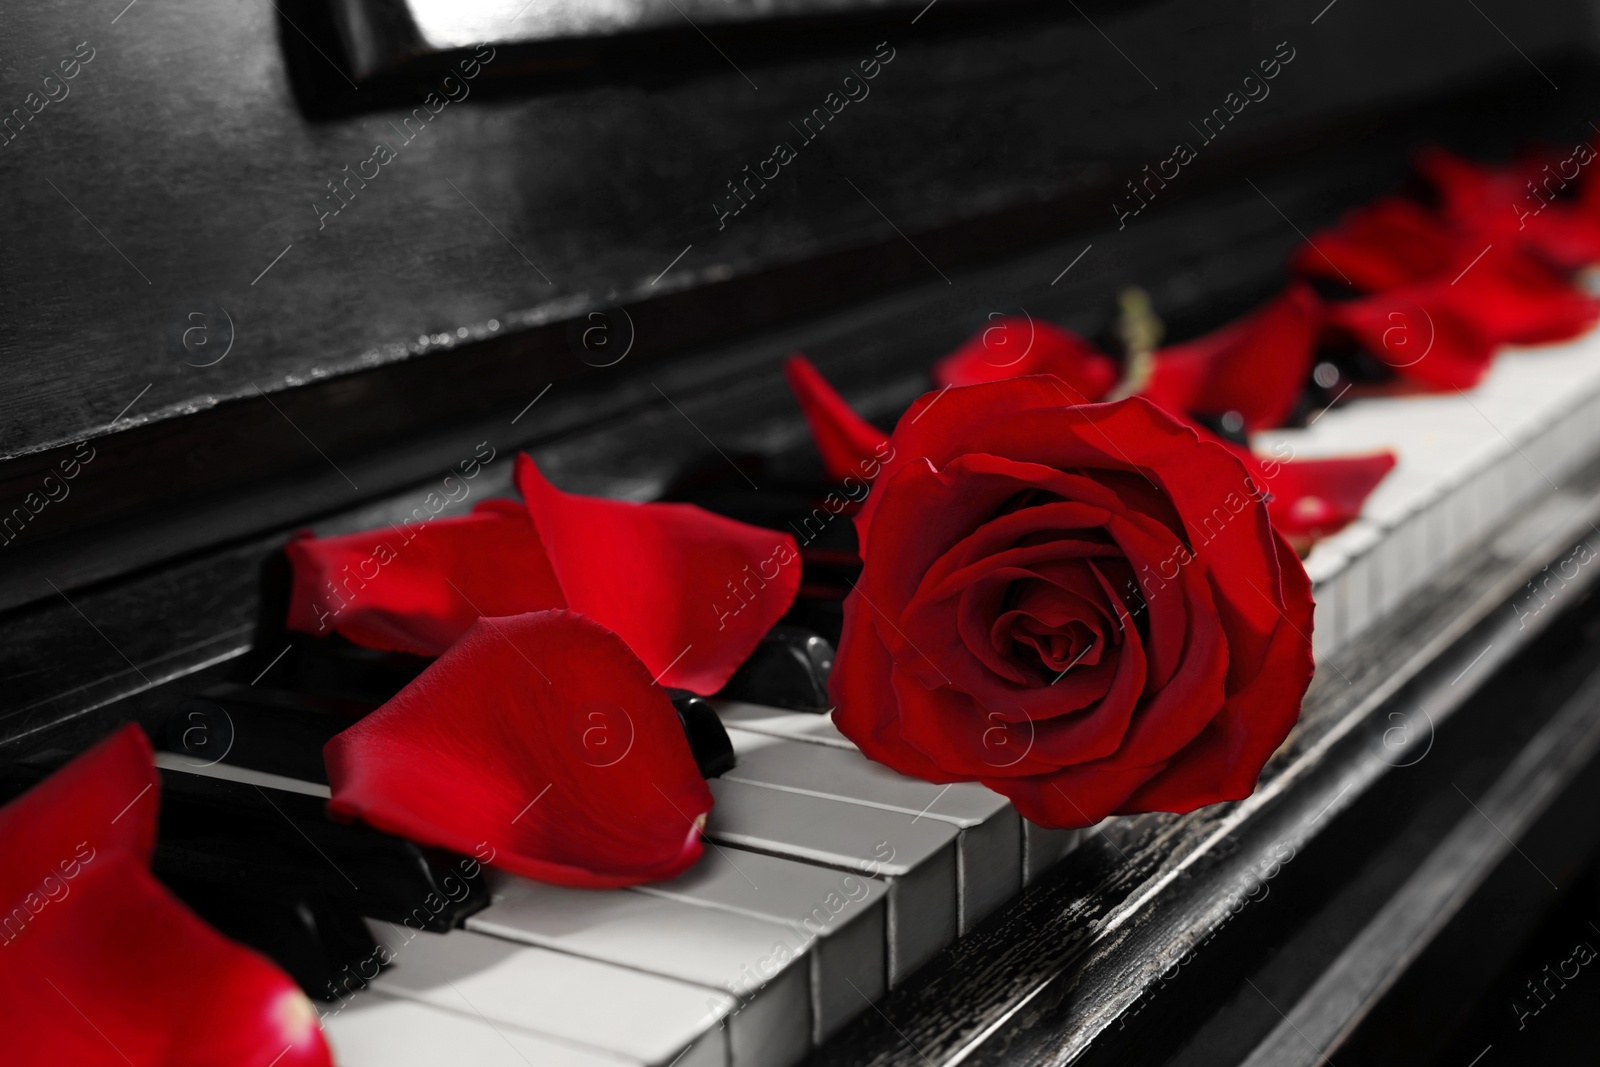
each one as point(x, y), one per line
point(708, 740)
point(320, 942)
point(335, 667)
point(283, 733)
point(254, 731)
point(238, 833)
point(788, 669)
point(229, 832)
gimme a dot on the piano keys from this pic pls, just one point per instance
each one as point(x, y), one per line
point(1466, 462)
point(827, 880)
point(988, 831)
point(565, 998)
point(406, 1033)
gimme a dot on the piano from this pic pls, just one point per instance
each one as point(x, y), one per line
point(290, 265)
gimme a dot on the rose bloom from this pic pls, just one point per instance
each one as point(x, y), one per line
point(1083, 607)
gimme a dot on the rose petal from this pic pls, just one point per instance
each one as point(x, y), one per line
point(1013, 347)
point(105, 966)
point(1225, 761)
point(107, 799)
point(1416, 334)
point(1257, 365)
point(1515, 204)
point(1441, 288)
point(416, 588)
point(1312, 498)
point(849, 445)
point(1516, 300)
point(119, 971)
point(1385, 244)
point(1074, 797)
point(692, 593)
point(863, 695)
point(538, 743)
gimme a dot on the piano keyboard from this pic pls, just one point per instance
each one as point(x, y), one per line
point(827, 880)
point(1468, 462)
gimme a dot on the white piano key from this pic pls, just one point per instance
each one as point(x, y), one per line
point(781, 722)
point(373, 1030)
point(1467, 463)
point(1459, 515)
point(1323, 567)
point(917, 857)
point(988, 852)
point(843, 915)
point(1041, 848)
point(1387, 573)
point(1358, 541)
point(762, 964)
point(171, 761)
point(640, 1017)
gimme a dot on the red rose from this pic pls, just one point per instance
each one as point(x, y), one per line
point(1085, 608)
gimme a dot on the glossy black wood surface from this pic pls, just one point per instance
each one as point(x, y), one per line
point(180, 164)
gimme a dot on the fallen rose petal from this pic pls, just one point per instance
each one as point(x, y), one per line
point(1460, 293)
point(103, 964)
point(692, 593)
point(1312, 498)
point(850, 446)
point(416, 588)
point(120, 971)
point(107, 798)
point(1521, 204)
point(1256, 366)
point(1419, 336)
point(1385, 244)
point(1014, 347)
point(1309, 499)
point(538, 743)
